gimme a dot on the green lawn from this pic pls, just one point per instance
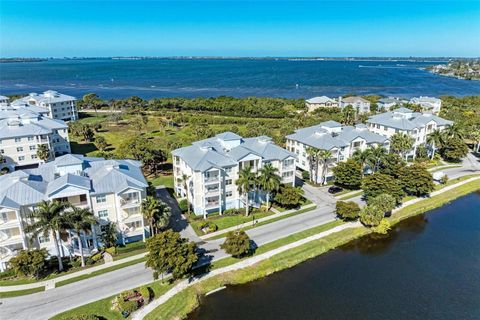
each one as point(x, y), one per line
point(167, 181)
point(226, 221)
point(353, 195)
point(130, 249)
point(18, 293)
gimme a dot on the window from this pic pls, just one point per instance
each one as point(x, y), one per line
point(287, 174)
point(2, 151)
point(228, 194)
point(357, 144)
point(103, 214)
point(31, 138)
point(228, 182)
point(19, 149)
point(303, 163)
point(34, 156)
point(101, 199)
point(42, 239)
point(228, 170)
point(18, 139)
point(33, 148)
point(21, 158)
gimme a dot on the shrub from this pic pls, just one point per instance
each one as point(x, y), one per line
point(128, 305)
point(234, 211)
point(371, 216)
point(237, 243)
point(289, 197)
point(208, 227)
point(76, 263)
point(111, 250)
point(97, 257)
point(146, 295)
point(383, 227)
point(7, 274)
point(305, 175)
point(183, 205)
point(347, 210)
point(384, 202)
point(444, 179)
point(29, 263)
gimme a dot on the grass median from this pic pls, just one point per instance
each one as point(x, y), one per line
point(17, 293)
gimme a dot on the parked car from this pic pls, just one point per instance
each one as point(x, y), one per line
point(334, 189)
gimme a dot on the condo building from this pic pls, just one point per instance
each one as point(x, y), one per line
point(403, 120)
point(428, 104)
point(211, 168)
point(320, 102)
point(112, 189)
point(359, 104)
point(342, 141)
point(23, 129)
point(60, 106)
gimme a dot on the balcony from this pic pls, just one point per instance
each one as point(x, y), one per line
point(7, 238)
point(6, 253)
point(131, 230)
point(8, 221)
point(212, 179)
point(80, 204)
point(212, 191)
point(129, 202)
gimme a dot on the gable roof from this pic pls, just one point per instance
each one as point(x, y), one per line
point(213, 152)
point(406, 119)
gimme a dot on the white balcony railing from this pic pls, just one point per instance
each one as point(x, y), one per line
point(129, 201)
point(212, 179)
point(212, 204)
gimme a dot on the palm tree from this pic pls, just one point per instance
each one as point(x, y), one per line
point(475, 136)
point(401, 143)
point(245, 183)
point(269, 180)
point(377, 153)
point(312, 160)
point(363, 157)
point(80, 219)
point(323, 157)
point(435, 139)
point(348, 115)
point(156, 212)
point(455, 131)
point(48, 219)
point(184, 180)
point(109, 234)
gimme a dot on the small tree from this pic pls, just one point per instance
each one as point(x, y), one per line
point(417, 180)
point(305, 175)
point(453, 150)
point(156, 213)
point(371, 216)
point(289, 197)
point(348, 174)
point(168, 252)
point(401, 143)
point(382, 227)
point(237, 243)
point(29, 263)
point(378, 183)
point(269, 181)
point(347, 210)
point(384, 202)
point(392, 165)
point(101, 143)
point(43, 152)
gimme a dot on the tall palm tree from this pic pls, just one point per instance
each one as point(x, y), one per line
point(184, 179)
point(323, 157)
point(377, 153)
point(269, 181)
point(80, 219)
point(312, 160)
point(150, 209)
point(245, 183)
point(435, 139)
point(48, 219)
point(156, 212)
point(475, 136)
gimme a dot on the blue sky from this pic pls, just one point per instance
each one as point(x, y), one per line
point(239, 28)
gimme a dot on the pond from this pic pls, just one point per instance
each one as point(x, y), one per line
point(427, 267)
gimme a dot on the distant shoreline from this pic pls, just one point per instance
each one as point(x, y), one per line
point(390, 59)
